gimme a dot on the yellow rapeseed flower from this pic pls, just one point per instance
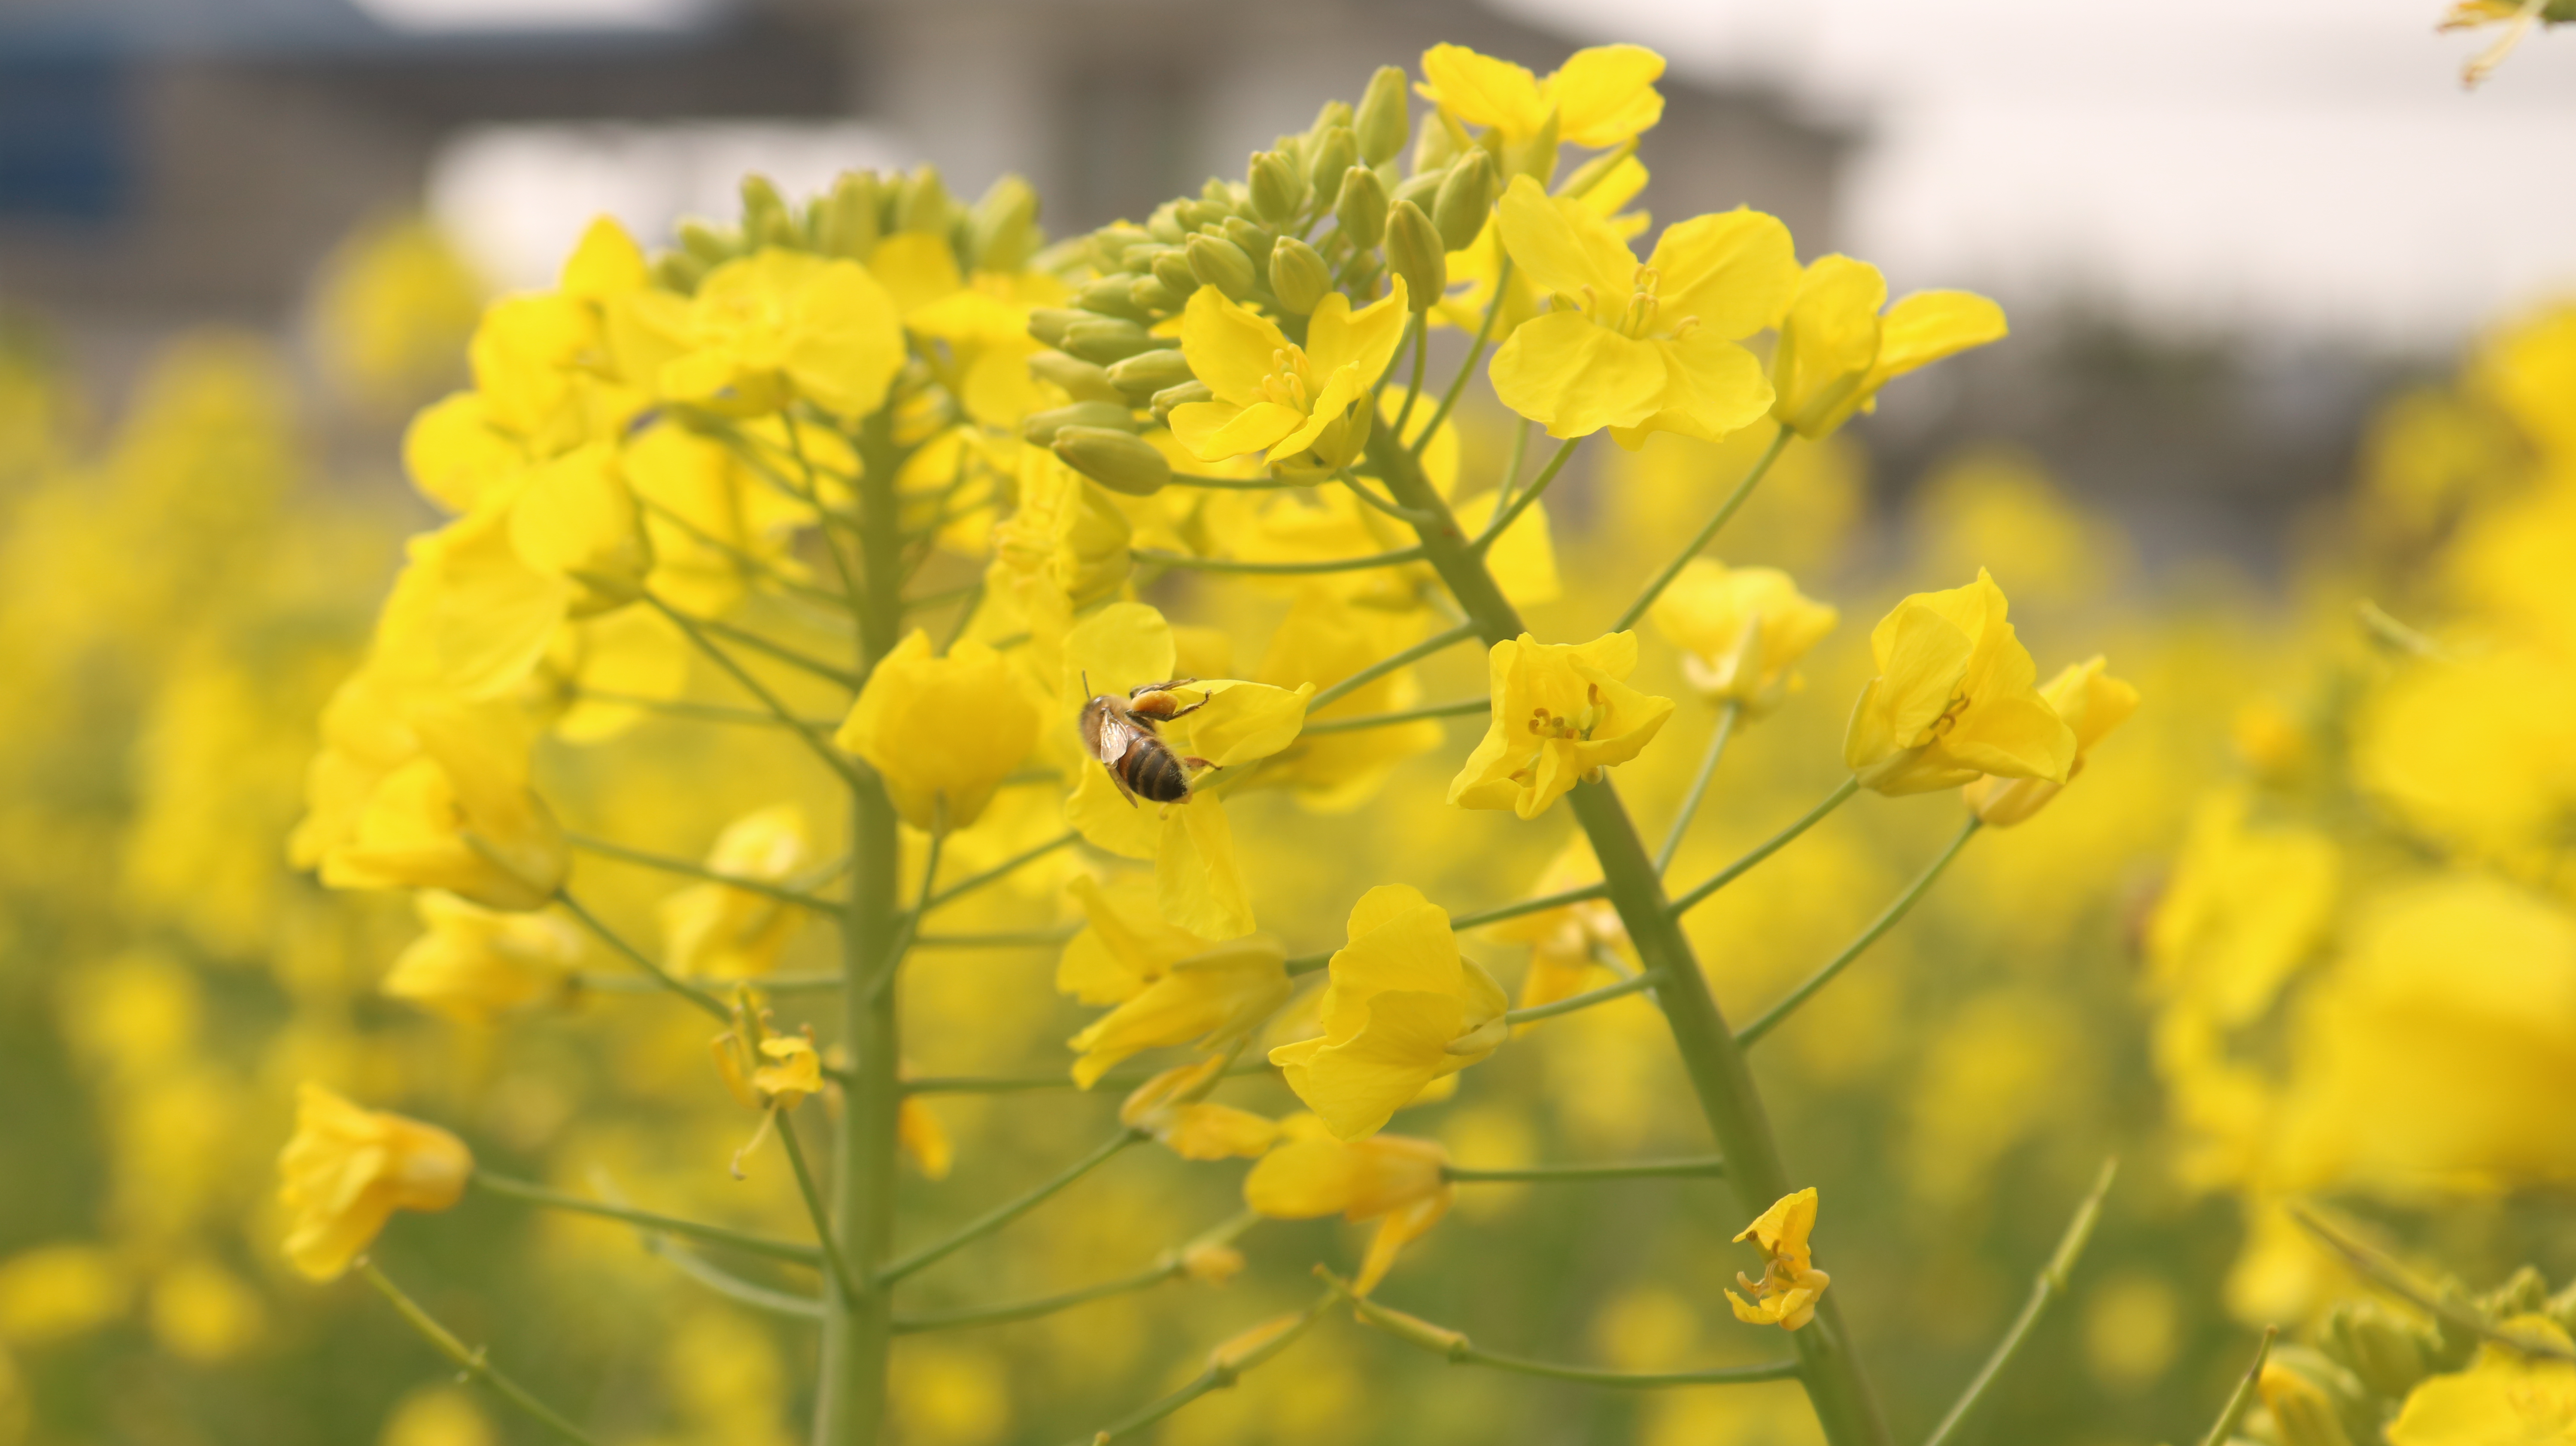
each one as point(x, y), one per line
point(1954, 698)
point(1308, 408)
point(1324, 639)
point(1640, 348)
point(777, 325)
point(476, 964)
point(347, 1170)
point(1569, 942)
point(1836, 350)
point(1172, 1107)
point(2093, 703)
point(1399, 1182)
point(1403, 1009)
point(1601, 96)
point(1786, 1294)
point(2504, 1398)
point(1741, 630)
point(1561, 714)
point(941, 732)
point(1171, 986)
point(725, 932)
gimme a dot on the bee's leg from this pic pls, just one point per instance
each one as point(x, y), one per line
point(1203, 763)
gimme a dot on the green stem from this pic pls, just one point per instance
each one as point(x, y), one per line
point(1541, 904)
point(814, 738)
point(2050, 1285)
point(535, 1194)
point(1526, 498)
point(1460, 709)
point(688, 708)
point(1695, 1166)
point(731, 1286)
point(1771, 1018)
point(1646, 979)
point(805, 1186)
point(670, 865)
point(1037, 1306)
point(751, 564)
point(2241, 1400)
point(662, 977)
point(1459, 1351)
point(1022, 939)
point(1421, 362)
point(999, 871)
point(1186, 562)
point(803, 663)
point(974, 603)
point(1400, 514)
point(1836, 1385)
point(1000, 1216)
point(1218, 1376)
point(471, 1360)
point(1726, 717)
point(1386, 665)
point(1725, 512)
point(1467, 368)
point(1772, 845)
point(2406, 1286)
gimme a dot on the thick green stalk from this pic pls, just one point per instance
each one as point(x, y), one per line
point(1843, 1400)
point(857, 1331)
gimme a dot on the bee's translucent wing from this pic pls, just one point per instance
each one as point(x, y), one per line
point(1112, 741)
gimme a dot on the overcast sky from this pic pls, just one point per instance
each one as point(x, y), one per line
point(2199, 164)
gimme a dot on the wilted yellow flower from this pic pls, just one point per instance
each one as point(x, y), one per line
point(1209, 1263)
point(2093, 703)
point(1308, 407)
point(730, 933)
point(1172, 1107)
point(1561, 714)
point(1836, 350)
point(941, 732)
point(1567, 943)
point(2516, 16)
point(348, 1170)
point(1786, 1294)
point(1403, 1009)
point(476, 964)
point(1400, 1182)
point(2504, 1398)
point(1640, 348)
point(1741, 630)
point(1954, 697)
point(779, 324)
point(1171, 986)
point(1602, 95)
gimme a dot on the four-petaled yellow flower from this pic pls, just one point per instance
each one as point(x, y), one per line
point(1741, 630)
point(1307, 408)
point(1836, 350)
point(1601, 96)
point(1640, 348)
point(1786, 1294)
point(1171, 986)
point(941, 732)
point(2093, 703)
point(347, 1170)
point(476, 964)
point(727, 932)
point(1561, 713)
point(1954, 698)
point(1401, 1183)
point(774, 326)
point(1403, 1009)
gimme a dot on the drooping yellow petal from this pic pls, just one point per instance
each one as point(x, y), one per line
point(1563, 245)
point(1229, 348)
point(1735, 270)
point(1604, 94)
point(1198, 877)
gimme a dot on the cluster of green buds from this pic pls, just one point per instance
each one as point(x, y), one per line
point(998, 232)
point(2353, 1383)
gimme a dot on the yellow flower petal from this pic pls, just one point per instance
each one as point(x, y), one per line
point(1574, 378)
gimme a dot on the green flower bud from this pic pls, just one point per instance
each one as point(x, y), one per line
point(2562, 1309)
point(709, 244)
point(921, 204)
point(1157, 299)
point(1335, 152)
point(1146, 373)
point(1140, 257)
point(1436, 142)
point(2377, 1345)
point(1278, 189)
point(1196, 215)
point(1332, 113)
point(1361, 206)
point(766, 221)
point(1379, 124)
point(1466, 198)
point(1221, 264)
point(1536, 156)
point(1298, 276)
point(1256, 241)
point(1002, 231)
point(1048, 323)
point(1039, 428)
point(1080, 379)
point(1421, 188)
point(1414, 252)
point(2523, 1292)
point(679, 271)
point(1185, 393)
point(845, 221)
point(1105, 339)
point(2302, 1415)
point(1117, 460)
point(1111, 296)
point(1173, 269)
point(1165, 224)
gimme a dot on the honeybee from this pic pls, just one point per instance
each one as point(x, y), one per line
point(1120, 733)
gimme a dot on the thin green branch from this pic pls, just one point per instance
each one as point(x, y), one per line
point(1023, 939)
point(1772, 845)
point(965, 619)
point(725, 1283)
point(661, 976)
point(1421, 363)
point(931, 601)
point(965, 1084)
point(850, 588)
point(749, 562)
point(742, 1240)
point(1000, 871)
point(2050, 1285)
point(1406, 515)
point(1541, 904)
point(1772, 1017)
point(822, 1217)
point(2241, 1400)
point(1218, 1376)
point(471, 1360)
point(1459, 1351)
point(1383, 666)
point(1459, 709)
point(1696, 1166)
point(1518, 455)
point(700, 712)
point(801, 662)
point(2402, 1283)
point(670, 865)
point(1645, 979)
point(1727, 714)
point(1187, 563)
point(1527, 498)
point(1038, 1306)
point(1002, 1215)
point(1467, 368)
point(1725, 512)
point(815, 741)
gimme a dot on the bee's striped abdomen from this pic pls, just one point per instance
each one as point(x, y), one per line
point(1157, 775)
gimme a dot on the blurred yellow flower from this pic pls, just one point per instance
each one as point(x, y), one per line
point(2504, 1398)
point(1402, 1010)
point(1567, 943)
point(725, 932)
point(476, 964)
point(921, 1136)
point(393, 308)
point(2092, 703)
point(1640, 348)
point(1561, 713)
point(1212, 998)
point(202, 1312)
point(1836, 350)
point(941, 732)
point(57, 1291)
point(1741, 630)
point(1786, 1294)
point(776, 325)
point(1401, 1183)
point(1324, 639)
point(347, 1170)
point(1173, 1109)
point(1602, 95)
point(1954, 697)
point(1308, 407)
